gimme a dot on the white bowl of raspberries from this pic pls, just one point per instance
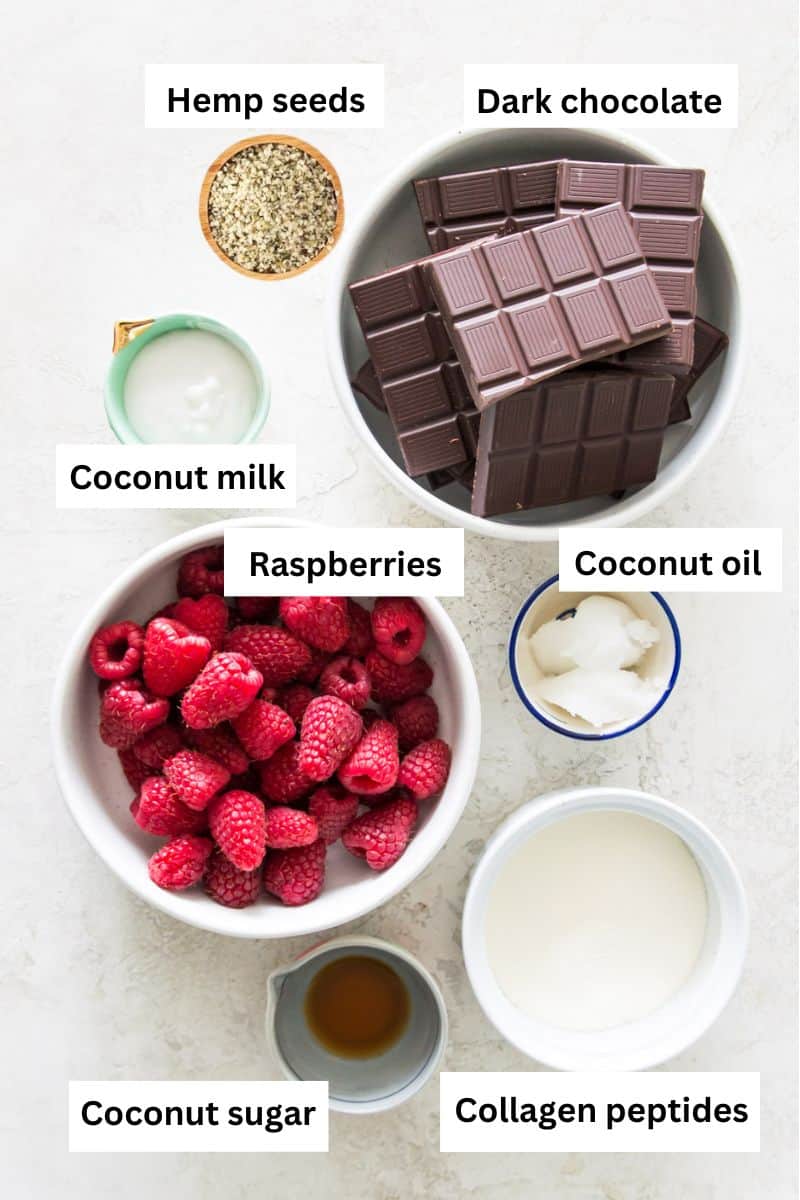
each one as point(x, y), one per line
point(262, 767)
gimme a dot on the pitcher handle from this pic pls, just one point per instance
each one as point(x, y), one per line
point(125, 331)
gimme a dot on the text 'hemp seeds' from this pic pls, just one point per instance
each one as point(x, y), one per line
point(272, 208)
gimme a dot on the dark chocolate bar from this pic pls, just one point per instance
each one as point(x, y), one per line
point(709, 343)
point(431, 437)
point(665, 205)
point(521, 308)
point(422, 384)
point(462, 475)
point(366, 382)
point(673, 352)
point(461, 208)
point(413, 374)
point(586, 433)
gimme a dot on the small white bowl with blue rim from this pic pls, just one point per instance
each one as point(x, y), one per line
point(660, 663)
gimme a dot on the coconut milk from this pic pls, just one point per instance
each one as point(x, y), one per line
point(190, 385)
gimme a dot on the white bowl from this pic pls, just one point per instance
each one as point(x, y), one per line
point(98, 795)
point(660, 664)
point(641, 1044)
point(389, 232)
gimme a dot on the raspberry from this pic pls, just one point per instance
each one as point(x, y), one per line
point(201, 571)
point(158, 745)
point(223, 689)
point(134, 769)
point(282, 780)
point(319, 660)
point(334, 809)
point(195, 777)
point(369, 716)
point(295, 699)
point(346, 678)
point(373, 765)
point(287, 827)
point(277, 654)
point(381, 835)
point(296, 876)
point(393, 682)
point(221, 745)
point(417, 720)
point(181, 863)
point(173, 656)
point(116, 651)
point(319, 620)
point(330, 730)
point(257, 608)
point(248, 781)
point(381, 797)
point(159, 810)
point(263, 728)
point(127, 710)
point(226, 884)
point(238, 826)
point(207, 616)
point(398, 626)
point(167, 611)
point(424, 769)
point(360, 639)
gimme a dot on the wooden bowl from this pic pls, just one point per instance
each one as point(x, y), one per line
point(270, 139)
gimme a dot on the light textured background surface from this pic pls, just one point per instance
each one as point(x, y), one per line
point(100, 224)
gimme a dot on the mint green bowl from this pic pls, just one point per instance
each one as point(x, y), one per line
point(131, 336)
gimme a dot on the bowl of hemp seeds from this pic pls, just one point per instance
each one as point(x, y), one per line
point(271, 206)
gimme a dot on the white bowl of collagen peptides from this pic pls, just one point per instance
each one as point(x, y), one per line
point(604, 929)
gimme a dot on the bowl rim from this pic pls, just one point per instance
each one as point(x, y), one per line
point(265, 139)
point(541, 716)
point(626, 510)
point(512, 830)
point(210, 916)
point(156, 327)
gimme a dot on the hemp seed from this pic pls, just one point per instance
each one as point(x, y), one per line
point(272, 208)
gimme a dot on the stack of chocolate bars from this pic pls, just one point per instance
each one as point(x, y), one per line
point(538, 355)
